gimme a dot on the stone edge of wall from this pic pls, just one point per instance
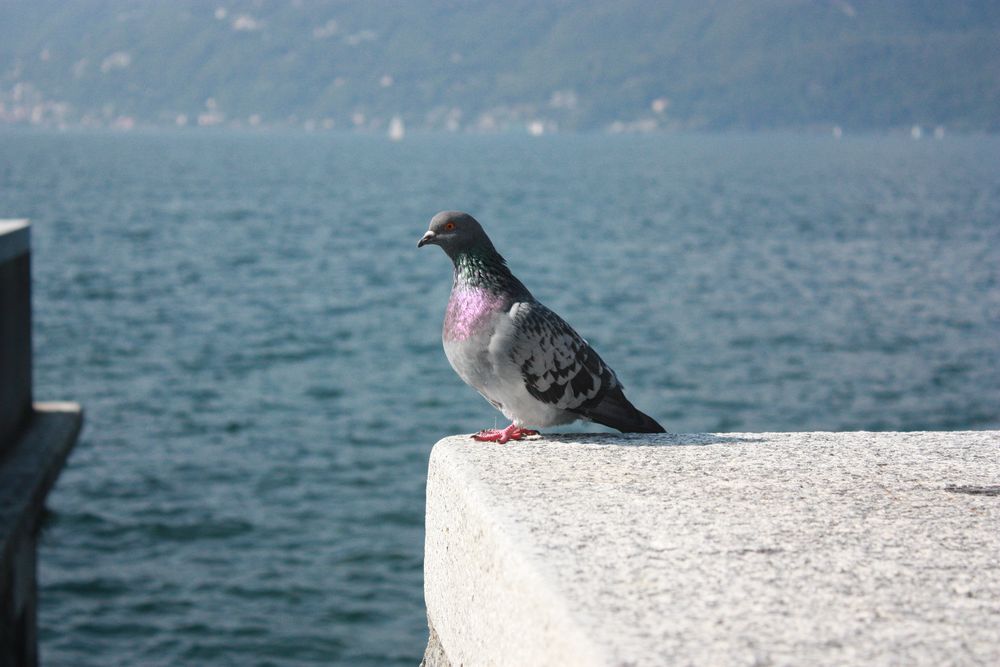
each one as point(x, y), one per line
point(508, 613)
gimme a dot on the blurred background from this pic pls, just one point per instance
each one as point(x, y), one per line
point(487, 66)
point(768, 215)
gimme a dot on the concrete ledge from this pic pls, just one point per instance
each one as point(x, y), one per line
point(766, 548)
point(15, 238)
point(28, 469)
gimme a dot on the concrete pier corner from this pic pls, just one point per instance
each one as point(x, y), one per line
point(715, 549)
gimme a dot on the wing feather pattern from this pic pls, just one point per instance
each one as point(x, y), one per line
point(560, 368)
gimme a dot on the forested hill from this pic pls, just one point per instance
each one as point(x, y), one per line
point(503, 64)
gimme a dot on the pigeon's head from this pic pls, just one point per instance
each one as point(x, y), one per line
point(456, 233)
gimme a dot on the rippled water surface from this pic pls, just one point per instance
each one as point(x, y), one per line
point(255, 338)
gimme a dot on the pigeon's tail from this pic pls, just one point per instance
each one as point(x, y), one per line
point(615, 411)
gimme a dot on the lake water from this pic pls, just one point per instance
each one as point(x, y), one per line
point(256, 340)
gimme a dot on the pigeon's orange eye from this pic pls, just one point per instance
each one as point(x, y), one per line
point(450, 226)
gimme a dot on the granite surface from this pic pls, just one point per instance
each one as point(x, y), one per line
point(729, 549)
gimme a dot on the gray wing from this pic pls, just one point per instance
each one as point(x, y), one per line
point(557, 365)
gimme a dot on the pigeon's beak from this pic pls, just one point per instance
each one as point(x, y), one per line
point(425, 239)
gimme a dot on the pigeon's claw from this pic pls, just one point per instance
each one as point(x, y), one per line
point(512, 432)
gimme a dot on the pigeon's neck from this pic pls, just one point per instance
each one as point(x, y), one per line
point(484, 286)
point(487, 271)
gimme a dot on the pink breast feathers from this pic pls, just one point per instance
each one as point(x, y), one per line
point(469, 310)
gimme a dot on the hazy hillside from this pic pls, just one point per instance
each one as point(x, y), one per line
point(490, 64)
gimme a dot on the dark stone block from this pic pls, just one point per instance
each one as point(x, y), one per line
point(27, 473)
point(34, 443)
point(15, 347)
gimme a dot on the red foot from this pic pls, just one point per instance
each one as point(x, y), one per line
point(512, 432)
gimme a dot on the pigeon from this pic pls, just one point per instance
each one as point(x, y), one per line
point(522, 357)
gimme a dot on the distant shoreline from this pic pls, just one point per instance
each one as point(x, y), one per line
point(819, 132)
